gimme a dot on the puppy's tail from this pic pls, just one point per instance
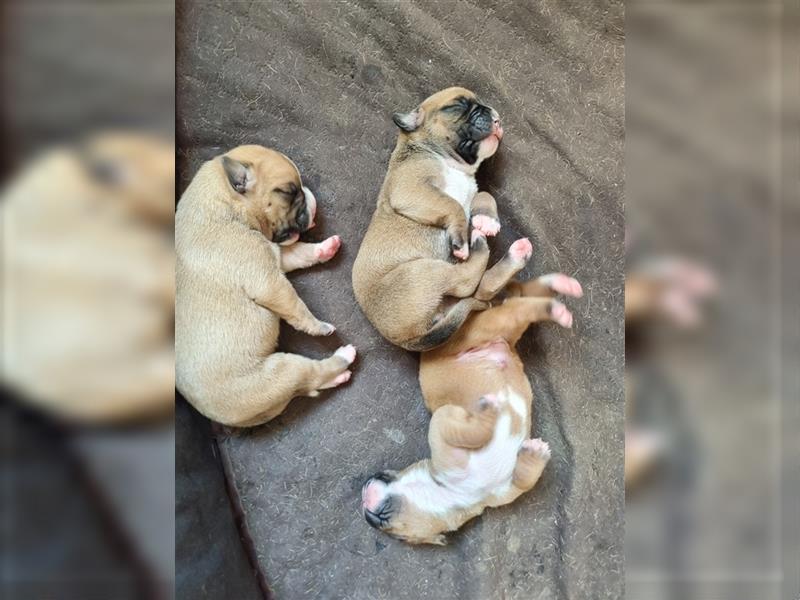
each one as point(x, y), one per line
point(445, 327)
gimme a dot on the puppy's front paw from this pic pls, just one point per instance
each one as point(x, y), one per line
point(458, 242)
point(322, 328)
point(461, 253)
point(326, 250)
point(486, 225)
point(537, 448)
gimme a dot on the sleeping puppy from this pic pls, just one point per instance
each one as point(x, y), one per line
point(481, 454)
point(236, 232)
point(403, 277)
point(89, 280)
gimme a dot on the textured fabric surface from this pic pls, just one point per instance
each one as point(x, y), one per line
point(211, 561)
point(319, 82)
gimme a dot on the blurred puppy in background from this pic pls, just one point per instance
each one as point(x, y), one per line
point(88, 280)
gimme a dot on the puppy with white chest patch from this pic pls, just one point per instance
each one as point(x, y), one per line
point(403, 277)
point(236, 232)
point(481, 454)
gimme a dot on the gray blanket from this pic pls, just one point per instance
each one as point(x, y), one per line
point(319, 82)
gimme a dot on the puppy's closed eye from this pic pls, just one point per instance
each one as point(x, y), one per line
point(289, 191)
point(458, 107)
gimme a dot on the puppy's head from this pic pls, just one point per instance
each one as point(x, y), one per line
point(386, 506)
point(266, 185)
point(456, 122)
point(136, 170)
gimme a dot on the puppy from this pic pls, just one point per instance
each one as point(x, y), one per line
point(89, 280)
point(481, 455)
point(236, 232)
point(666, 288)
point(402, 277)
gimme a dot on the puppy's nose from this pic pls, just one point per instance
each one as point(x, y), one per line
point(372, 494)
point(311, 206)
point(497, 128)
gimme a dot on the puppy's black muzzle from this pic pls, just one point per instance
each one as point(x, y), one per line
point(379, 517)
point(373, 519)
point(298, 220)
point(479, 122)
point(477, 126)
point(383, 476)
point(303, 217)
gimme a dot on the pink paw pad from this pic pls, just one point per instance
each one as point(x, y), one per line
point(562, 284)
point(486, 225)
point(537, 447)
point(341, 378)
point(521, 250)
point(373, 494)
point(681, 307)
point(327, 249)
point(560, 314)
point(461, 253)
point(347, 352)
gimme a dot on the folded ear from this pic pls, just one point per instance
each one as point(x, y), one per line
point(240, 175)
point(409, 122)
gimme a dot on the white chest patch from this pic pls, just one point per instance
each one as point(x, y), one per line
point(488, 471)
point(459, 186)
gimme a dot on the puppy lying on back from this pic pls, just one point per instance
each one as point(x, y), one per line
point(481, 453)
point(403, 278)
point(236, 232)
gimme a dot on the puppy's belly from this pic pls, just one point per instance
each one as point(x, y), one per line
point(497, 353)
point(465, 377)
point(490, 469)
point(393, 239)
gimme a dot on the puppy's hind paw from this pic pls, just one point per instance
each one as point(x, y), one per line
point(560, 314)
point(322, 328)
point(537, 448)
point(488, 226)
point(521, 250)
point(562, 284)
point(341, 378)
point(327, 249)
point(348, 353)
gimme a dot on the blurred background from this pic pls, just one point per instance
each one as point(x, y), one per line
point(712, 221)
point(88, 285)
